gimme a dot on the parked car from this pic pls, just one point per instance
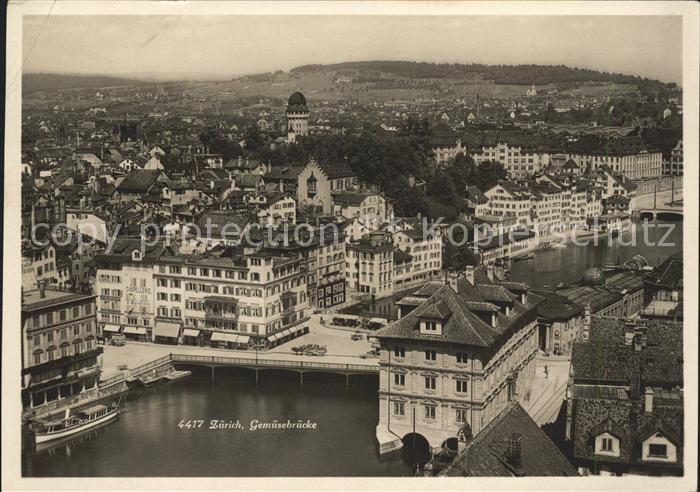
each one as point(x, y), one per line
point(118, 339)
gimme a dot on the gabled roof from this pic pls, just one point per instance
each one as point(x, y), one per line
point(556, 306)
point(462, 326)
point(484, 454)
point(444, 136)
point(336, 169)
point(139, 181)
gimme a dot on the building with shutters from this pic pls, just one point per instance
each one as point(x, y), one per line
point(459, 353)
point(59, 346)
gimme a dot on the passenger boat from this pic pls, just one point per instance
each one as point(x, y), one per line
point(82, 420)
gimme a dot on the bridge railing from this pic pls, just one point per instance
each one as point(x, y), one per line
point(283, 364)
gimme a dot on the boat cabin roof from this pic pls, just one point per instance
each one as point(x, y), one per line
point(91, 410)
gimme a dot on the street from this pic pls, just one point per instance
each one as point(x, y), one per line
point(548, 393)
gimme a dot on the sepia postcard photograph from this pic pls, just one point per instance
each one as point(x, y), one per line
point(350, 245)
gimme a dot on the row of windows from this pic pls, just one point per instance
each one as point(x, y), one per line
point(431, 355)
point(461, 385)
point(39, 320)
point(429, 412)
point(40, 356)
point(61, 334)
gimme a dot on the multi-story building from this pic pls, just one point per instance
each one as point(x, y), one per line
point(445, 143)
point(38, 264)
point(371, 208)
point(317, 181)
point(519, 160)
point(59, 345)
point(124, 285)
point(625, 398)
point(425, 249)
point(629, 156)
point(547, 208)
point(458, 354)
point(369, 266)
point(323, 252)
point(203, 299)
point(238, 301)
point(676, 162)
point(510, 199)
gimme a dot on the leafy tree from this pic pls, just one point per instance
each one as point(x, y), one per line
point(254, 139)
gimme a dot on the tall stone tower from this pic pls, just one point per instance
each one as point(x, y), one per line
point(297, 117)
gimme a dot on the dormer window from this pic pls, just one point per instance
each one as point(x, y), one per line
point(431, 327)
point(136, 255)
point(607, 444)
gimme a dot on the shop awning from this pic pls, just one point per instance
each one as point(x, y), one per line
point(286, 332)
point(167, 329)
point(274, 337)
point(112, 328)
point(224, 337)
point(134, 330)
point(297, 329)
point(189, 332)
point(381, 321)
point(243, 339)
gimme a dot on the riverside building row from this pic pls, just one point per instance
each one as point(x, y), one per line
point(249, 297)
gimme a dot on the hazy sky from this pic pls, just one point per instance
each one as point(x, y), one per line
point(225, 46)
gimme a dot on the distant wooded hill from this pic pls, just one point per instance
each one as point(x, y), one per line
point(35, 82)
point(500, 74)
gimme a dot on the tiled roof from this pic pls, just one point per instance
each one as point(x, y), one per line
point(349, 198)
point(222, 225)
point(495, 293)
point(462, 326)
point(627, 420)
point(336, 169)
point(556, 306)
point(477, 196)
point(606, 356)
point(669, 274)
point(484, 455)
point(138, 181)
point(444, 136)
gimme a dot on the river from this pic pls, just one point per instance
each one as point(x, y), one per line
point(146, 439)
point(551, 266)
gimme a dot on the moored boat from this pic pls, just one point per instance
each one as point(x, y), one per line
point(82, 420)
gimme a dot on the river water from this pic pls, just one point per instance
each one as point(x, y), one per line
point(551, 266)
point(147, 440)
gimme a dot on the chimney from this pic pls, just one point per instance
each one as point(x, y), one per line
point(648, 400)
point(469, 273)
point(513, 453)
point(523, 298)
point(489, 272)
point(451, 280)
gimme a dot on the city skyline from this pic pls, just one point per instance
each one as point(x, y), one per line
point(645, 46)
